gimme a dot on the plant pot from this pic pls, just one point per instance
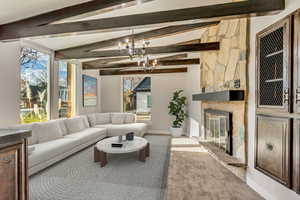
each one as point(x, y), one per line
point(176, 132)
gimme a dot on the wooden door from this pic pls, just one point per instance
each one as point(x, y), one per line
point(273, 148)
point(274, 67)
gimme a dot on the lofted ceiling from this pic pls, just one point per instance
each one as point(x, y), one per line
point(93, 29)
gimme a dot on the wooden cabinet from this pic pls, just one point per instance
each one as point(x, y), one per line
point(274, 67)
point(13, 165)
point(273, 147)
point(278, 102)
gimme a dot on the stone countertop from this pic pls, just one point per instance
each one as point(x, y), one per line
point(11, 135)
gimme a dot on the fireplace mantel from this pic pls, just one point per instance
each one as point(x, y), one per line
point(221, 96)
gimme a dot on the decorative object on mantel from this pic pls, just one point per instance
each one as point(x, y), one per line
point(176, 108)
point(13, 164)
point(222, 96)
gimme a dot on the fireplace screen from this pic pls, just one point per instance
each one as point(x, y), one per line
point(218, 129)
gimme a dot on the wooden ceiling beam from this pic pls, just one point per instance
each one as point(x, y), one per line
point(63, 13)
point(235, 9)
point(157, 33)
point(134, 72)
point(151, 50)
point(135, 64)
point(104, 61)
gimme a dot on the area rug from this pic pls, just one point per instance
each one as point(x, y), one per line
point(123, 178)
point(195, 175)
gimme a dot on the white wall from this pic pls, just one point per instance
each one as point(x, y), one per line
point(162, 88)
point(111, 99)
point(79, 92)
point(194, 107)
point(266, 186)
point(9, 84)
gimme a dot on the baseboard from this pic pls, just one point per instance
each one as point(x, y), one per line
point(159, 132)
point(256, 187)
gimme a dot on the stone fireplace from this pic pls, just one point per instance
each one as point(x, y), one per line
point(222, 71)
point(218, 129)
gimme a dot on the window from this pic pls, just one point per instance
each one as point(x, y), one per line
point(66, 92)
point(137, 96)
point(34, 72)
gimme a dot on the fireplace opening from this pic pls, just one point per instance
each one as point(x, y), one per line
point(218, 129)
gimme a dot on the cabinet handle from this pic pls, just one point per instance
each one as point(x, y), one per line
point(297, 96)
point(269, 146)
point(286, 95)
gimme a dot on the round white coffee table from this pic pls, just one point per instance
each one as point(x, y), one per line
point(104, 147)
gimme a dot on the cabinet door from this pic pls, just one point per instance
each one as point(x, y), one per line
point(296, 156)
point(297, 62)
point(273, 148)
point(11, 170)
point(273, 66)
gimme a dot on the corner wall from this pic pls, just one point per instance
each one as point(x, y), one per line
point(267, 187)
point(9, 84)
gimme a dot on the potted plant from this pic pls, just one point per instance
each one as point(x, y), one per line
point(177, 109)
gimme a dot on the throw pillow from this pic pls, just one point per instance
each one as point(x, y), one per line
point(75, 125)
point(48, 131)
point(85, 120)
point(92, 120)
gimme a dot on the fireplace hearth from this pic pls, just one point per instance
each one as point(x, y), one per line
point(218, 129)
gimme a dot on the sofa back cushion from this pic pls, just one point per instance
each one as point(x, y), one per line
point(103, 118)
point(31, 127)
point(48, 131)
point(85, 120)
point(75, 124)
point(92, 119)
point(62, 125)
point(118, 118)
point(130, 118)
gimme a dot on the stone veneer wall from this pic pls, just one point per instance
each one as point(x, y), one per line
point(220, 68)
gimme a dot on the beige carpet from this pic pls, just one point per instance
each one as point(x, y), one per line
point(195, 175)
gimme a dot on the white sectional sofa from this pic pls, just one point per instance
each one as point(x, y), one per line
point(117, 123)
point(55, 140)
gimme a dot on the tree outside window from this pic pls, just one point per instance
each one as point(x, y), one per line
point(34, 85)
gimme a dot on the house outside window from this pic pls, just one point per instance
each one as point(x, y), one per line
point(34, 70)
point(66, 92)
point(137, 96)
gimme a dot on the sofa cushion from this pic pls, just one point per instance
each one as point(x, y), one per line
point(62, 125)
point(32, 127)
point(118, 118)
point(75, 124)
point(92, 119)
point(139, 129)
point(103, 118)
point(48, 131)
point(88, 135)
point(48, 150)
point(85, 120)
point(130, 118)
point(31, 149)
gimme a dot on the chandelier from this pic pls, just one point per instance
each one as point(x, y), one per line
point(143, 59)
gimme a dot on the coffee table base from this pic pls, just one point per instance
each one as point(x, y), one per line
point(100, 156)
